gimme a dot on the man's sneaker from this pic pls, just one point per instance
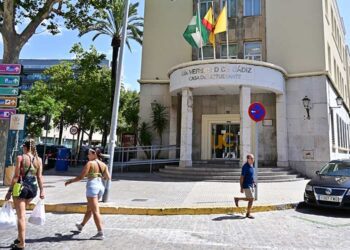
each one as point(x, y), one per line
point(98, 236)
point(79, 226)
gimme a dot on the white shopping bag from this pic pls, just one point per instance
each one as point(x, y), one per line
point(8, 218)
point(37, 217)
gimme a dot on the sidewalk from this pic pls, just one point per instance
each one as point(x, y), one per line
point(136, 193)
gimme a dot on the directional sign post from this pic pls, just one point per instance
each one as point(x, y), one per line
point(257, 113)
point(11, 81)
point(8, 102)
point(5, 114)
point(10, 69)
point(9, 91)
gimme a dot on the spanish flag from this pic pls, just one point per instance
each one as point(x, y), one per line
point(221, 22)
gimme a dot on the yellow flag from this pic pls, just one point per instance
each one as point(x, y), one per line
point(221, 22)
point(212, 38)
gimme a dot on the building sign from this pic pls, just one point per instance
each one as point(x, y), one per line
point(128, 140)
point(10, 69)
point(226, 77)
point(201, 72)
point(17, 122)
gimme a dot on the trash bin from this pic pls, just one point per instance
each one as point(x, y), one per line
point(62, 161)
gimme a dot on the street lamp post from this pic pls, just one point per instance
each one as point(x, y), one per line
point(114, 121)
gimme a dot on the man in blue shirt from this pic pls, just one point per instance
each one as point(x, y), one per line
point(247, 184)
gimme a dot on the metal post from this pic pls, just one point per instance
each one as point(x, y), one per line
point(71, 154)
point(121, 166)
point(150, 166)
point(256, 158)
point(114, 121)
point(45, 146)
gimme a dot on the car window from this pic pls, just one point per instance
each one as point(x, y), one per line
point(336, 169)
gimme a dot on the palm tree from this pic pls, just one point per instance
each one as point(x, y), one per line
point(109, 21)
point(159, 121)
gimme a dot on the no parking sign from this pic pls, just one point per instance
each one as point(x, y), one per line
point(257, 111)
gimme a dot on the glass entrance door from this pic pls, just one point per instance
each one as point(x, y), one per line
point(225, 141)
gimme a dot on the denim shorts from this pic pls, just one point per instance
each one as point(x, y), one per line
point(94, 188)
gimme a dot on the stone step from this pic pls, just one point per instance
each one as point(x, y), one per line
point(283, 178)
point(229, 177)
point(228, 173)
point(209, 169)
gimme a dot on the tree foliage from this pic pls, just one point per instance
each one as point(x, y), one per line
point(159, 119)
point(37, 103)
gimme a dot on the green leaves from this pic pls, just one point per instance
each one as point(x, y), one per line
point(37, 103)
point(104, 18)
point(159, 119)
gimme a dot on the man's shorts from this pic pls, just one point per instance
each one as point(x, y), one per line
point(249, 192)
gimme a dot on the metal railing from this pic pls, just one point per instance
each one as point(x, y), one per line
point(145, 155)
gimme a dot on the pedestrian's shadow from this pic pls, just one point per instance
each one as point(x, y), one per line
point(57, 238)
point(229, 217)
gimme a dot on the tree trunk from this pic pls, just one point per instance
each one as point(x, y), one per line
point(61, 131)
point(91, 134)
point(115, 45)
point(11, 51)
point(104, 136)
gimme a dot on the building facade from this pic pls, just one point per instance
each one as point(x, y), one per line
point(280, 53)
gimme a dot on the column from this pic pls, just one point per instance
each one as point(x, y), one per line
point(173, 126)
point(281, 128)
point(186, 128)
point(245, 129)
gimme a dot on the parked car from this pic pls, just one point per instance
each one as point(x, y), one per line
point(50, 157)
point(331, 186)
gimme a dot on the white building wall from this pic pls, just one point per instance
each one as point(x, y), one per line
point(308, 139)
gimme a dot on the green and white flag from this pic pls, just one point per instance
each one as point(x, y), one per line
point(196, 34)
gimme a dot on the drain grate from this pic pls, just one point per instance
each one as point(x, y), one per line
point(139, 200)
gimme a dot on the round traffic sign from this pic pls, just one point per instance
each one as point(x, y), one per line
point(257, 111)
point(73, 130)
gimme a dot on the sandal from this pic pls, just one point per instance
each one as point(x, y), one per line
point(15, 247)
point(249, 216)
point(15, 242)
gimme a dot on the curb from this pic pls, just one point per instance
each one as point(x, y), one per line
point(105, 209)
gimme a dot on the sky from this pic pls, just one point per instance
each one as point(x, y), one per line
point(46, 46)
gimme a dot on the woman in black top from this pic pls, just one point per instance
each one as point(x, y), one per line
point(29, 169)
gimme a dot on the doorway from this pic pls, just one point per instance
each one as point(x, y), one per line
point(224, 141)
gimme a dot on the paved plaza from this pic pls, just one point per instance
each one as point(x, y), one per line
point(289, 229)
point(150, 190)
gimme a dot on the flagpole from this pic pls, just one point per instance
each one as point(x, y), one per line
point(200, 27)
point(214, 49)
point(227, 30)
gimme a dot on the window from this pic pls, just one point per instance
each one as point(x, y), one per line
point(232, 7)
point(332, 127)
point(204, 7)
point(252, 51)
point(232, 50)
point(208, 52)
point(252, 7)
